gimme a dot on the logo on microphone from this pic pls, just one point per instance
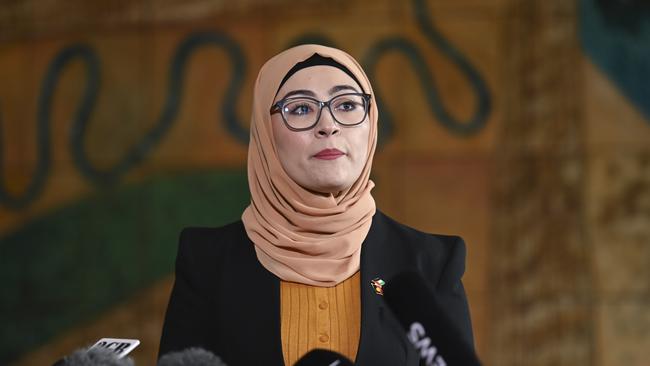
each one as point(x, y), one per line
point(429, 353)
point(121, 347)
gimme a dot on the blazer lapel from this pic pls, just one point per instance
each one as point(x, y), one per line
point(380, 331)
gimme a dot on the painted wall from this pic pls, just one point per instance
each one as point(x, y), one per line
point(521, 125)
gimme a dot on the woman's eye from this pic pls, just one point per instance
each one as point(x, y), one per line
point(346, 106)
point(300, 109)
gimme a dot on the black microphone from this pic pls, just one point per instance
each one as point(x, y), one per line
point(94, 357)
point(190, 357)
point(323, 357)
point(436, 338)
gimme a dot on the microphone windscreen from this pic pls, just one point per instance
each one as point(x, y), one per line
point(95, 357)
point(190, 357)
point(323, 357)
point(431, 331)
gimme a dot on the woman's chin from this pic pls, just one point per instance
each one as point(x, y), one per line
point(327, 187)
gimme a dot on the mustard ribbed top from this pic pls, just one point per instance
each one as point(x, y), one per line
point(320, 317)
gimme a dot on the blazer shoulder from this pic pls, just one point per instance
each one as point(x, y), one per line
point(420, 239)
point(200, 244)
point(441, 258)
point(206, 233)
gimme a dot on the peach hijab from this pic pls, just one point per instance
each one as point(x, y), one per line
point(299, 235)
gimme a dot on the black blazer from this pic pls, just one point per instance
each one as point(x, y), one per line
point(226, 302)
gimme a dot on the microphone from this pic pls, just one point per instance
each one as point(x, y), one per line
point(323, 357)
point(428, 328)
point(190, 357)
point(94, 357)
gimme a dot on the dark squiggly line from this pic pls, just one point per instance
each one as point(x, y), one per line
point(137, 153)
point(43, 162)
point(82, 116)
point(413, 54)
point(418, 61)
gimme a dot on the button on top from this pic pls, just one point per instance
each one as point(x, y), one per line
point(322, 305)
point(324, 338)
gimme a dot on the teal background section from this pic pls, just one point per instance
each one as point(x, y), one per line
point(617, 40)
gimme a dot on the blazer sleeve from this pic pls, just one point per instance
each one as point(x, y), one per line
point(187, 320)
point(451, 293)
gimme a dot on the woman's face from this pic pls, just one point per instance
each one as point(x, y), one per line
point(310, 157)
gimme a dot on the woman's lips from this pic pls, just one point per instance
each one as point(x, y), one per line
point(329, 154)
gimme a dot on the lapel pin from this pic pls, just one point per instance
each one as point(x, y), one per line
point(378, 286)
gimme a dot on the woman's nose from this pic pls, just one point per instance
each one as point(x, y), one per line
point(326, 125)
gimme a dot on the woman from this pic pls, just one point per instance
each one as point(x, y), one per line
point(295, 273)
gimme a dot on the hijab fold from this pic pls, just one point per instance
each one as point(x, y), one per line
point(300, 235)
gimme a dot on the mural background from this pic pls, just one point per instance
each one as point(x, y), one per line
point(521, 125)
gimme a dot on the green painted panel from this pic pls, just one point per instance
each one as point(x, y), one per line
point(70, 265)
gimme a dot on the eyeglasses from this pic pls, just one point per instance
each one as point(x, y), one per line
point(303, 113)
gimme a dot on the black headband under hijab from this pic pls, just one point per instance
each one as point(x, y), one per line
point(318, 60)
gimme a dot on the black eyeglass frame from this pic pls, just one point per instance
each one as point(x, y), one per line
point(277, 108)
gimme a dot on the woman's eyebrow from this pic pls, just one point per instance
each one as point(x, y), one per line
point(338, 88)
point(334, 89)
point(299, 91)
